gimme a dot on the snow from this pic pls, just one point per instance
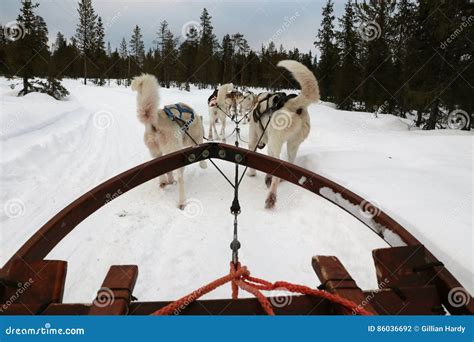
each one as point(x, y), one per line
point(54, 151)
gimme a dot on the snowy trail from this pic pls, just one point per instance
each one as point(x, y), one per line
point(98, 136)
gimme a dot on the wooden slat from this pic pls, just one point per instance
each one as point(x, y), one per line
point(115, 294)
point(21, 309)
point(413, 266)
point(396, 266)
point(38, 283)
point(66, 309)
point(292, 305)
point(335, 279)
point(406, 301)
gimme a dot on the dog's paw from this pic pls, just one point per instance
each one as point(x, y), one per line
point(251, 173)
point(268, 180)
point(270, 201)
point(163, 184)
point(181, 206)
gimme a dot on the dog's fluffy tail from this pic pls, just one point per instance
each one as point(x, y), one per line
point(306, 79)
point(222, 92)
point(148, 98)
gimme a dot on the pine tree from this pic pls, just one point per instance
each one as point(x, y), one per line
point(28, 53)
point(328, 61)
point(206, 51)
point(59, 43)
point(377, 31)
point(436, 60)
point(405, 26)
point(100, 55)
point(124, 60)
point(3, 52)
point(137, 49)
point(85, 32)
point(187, 58)
point(348, 75)
point(166, 46)
point(60, 55)
point(240, 49)
point(123, 49)
point(227, 73)
point(99, 41)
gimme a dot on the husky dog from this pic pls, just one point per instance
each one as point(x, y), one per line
point(283, 119)
point(219, 108)
point(167, 129)
point(247, 104)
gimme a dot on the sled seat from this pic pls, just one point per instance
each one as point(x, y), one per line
point(406, 281)
point(29, 287)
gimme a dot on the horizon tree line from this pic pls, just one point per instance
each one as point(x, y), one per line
point(389, 56)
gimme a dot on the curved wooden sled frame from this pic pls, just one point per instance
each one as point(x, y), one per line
point(48, 236)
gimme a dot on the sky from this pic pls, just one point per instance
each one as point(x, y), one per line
point(291, 23)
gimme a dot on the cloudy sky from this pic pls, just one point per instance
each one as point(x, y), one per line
point(291, 23)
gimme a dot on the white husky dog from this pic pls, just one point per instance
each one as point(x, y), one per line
point(162, 134)
point(219, 108)
point(286, 118)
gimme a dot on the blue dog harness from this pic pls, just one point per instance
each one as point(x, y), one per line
point(184, 124)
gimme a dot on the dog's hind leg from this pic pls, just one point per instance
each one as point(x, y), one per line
point(212, 123)
point(170, 178)
point(253, 139)
point(181, 200)
point(292, 150)
point(223, 129)
point(155, 153)
point(209, 135)
point(200, 139)
point(215, 129)
point(274, 150)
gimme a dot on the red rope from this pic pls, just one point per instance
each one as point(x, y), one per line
point(240, 278)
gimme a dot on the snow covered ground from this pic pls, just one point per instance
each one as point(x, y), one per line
point(52, 152)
